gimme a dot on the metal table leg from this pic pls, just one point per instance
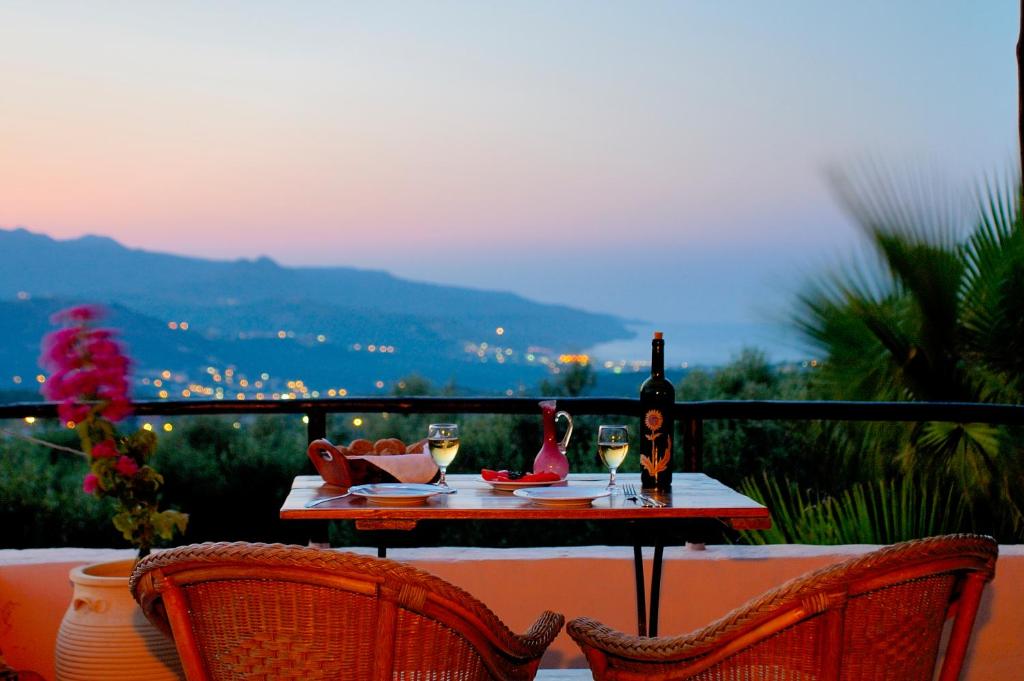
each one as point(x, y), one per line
point(641, 595)
point(659, 552)
point(644, 626)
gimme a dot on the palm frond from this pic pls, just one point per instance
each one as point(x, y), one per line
point(993, 293)
point(879, 512)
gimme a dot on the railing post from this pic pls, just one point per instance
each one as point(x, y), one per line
point(316, 428)
point(693, 444)
point(316, 424)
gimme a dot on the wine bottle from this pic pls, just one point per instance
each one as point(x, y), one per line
point(657, 427)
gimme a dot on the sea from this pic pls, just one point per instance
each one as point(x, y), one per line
point(691, 344)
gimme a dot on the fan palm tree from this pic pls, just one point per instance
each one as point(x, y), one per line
point(934, 313)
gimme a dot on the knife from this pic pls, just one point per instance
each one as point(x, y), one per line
point(651, 500)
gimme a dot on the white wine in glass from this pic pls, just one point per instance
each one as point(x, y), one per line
point(443, 442)
point(612, 447)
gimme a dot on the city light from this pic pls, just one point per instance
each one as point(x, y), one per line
point(30, 420)
point(147, 426)
point(168, 427)
point(574, 359)
point(500, 331)
point(17, 380)
point(40, 378)
point(357, 422)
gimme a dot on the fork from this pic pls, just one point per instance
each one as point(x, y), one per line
point(323, 500)
point(631, 495)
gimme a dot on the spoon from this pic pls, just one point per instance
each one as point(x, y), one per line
point(317, 502)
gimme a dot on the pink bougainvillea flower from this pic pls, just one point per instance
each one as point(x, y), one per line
point(70, 410)
point(117, 409)
point(77, 314)
point(58, 348)
point(82, 382)
point(126, 466)
point(104, 449)
point(54, 389)
point(90, 483)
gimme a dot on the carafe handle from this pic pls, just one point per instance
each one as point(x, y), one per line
point(564, 444)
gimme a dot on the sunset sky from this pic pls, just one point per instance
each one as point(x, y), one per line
point(656, 160)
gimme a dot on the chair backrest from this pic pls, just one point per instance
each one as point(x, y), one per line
point(257, 611)
point(877, 616)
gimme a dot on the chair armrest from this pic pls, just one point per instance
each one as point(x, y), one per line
point(540, 635)
point(591, 633)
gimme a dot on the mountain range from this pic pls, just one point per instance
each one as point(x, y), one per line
point(256, 316)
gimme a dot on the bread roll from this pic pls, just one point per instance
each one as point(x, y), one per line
point(361, 447)
point(389, 445)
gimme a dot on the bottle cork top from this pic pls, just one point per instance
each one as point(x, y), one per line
point(657, 335)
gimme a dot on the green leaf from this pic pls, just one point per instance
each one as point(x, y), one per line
point(166, 522)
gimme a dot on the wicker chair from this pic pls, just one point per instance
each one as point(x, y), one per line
point(267, 611)
point(878, 616)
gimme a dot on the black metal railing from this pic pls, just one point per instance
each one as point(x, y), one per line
point(690, 416)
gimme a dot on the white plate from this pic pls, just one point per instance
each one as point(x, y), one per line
point(562, 496)
point(513, 485)
point(395, 493)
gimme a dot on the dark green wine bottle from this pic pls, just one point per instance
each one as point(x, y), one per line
point(657, 426)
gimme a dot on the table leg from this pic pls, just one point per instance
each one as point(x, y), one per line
point(318, 534)
point(382, 551)
point(641, 595)
point(659, 554)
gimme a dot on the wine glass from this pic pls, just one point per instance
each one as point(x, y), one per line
point(612, 445)
point(443, 442)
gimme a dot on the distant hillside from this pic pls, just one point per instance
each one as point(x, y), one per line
point(235, 310)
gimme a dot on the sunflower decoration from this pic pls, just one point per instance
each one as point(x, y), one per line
point(655, 464)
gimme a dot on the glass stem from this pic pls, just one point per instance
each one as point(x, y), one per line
point(611, 478)
point(442, 482)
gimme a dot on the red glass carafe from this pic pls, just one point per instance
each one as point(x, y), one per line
point(551, 456)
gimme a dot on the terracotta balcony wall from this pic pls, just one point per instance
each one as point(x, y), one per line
point(517, 584)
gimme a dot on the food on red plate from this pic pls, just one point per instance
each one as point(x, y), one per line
point(517, 476)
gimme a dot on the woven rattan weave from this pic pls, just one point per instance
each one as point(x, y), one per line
point(283, 613)
point(877, 617)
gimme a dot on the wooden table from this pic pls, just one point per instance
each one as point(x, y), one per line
point(694, 496)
